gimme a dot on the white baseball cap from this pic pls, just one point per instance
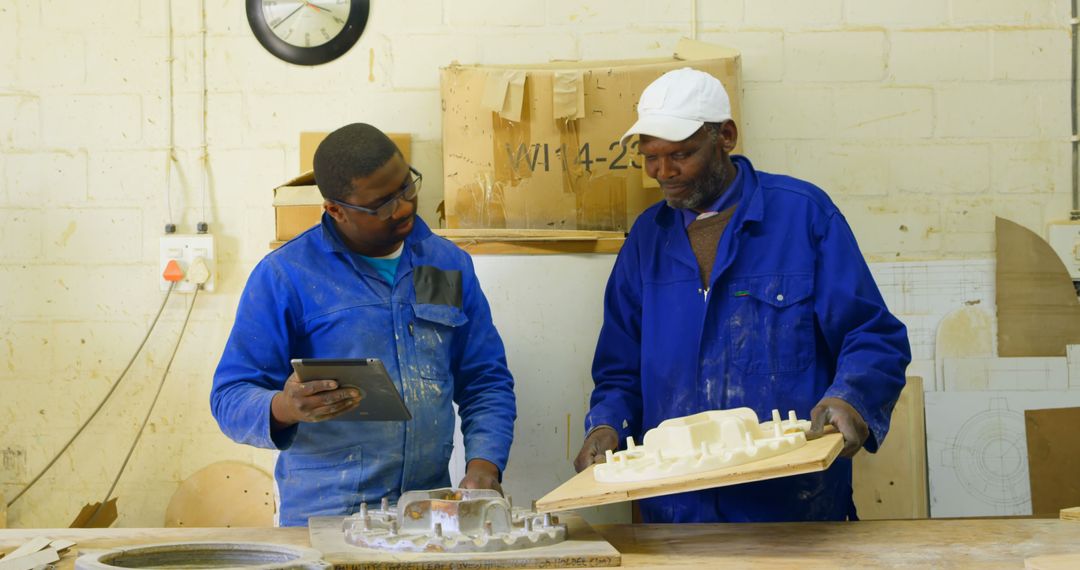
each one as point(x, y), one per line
point(675, 106)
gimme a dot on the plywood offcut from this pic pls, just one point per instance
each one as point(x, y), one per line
point(584, 491)
point(1053, 460)
point(582, 548)
point(1038, 312)
point(39, 558)
point(1070, 514)
point(223, 494)
point(892, 483)
point(1053, 562)
point(96, 515)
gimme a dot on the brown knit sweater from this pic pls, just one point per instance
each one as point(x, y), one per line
point(705, 238)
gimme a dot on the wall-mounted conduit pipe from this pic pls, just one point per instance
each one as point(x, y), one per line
point(1074, 27)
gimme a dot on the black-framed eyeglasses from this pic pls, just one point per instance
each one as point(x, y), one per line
point(409, 189)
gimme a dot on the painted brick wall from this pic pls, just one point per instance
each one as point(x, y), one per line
point(922, 118)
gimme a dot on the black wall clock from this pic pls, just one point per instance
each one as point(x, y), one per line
point(307, 32)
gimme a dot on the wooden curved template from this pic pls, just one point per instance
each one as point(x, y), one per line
point(223, 494)
point(966, 332)
point(1038, 313)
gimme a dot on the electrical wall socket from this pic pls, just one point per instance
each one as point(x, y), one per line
point(185, 249)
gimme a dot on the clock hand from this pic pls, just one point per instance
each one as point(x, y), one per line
point(316, 6)
point(282, 21)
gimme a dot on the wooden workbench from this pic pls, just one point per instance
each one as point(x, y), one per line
point(974, 543)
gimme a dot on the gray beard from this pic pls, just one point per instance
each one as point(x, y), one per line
point(704, 191)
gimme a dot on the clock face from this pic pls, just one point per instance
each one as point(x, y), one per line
point(306, 24)
point(307, 32)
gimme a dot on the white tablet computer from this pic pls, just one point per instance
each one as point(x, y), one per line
point(380, 400)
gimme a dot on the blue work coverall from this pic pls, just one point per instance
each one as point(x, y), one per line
point(791, 315)
point(313, 298)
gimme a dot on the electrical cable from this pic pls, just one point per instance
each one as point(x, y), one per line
point(153, 403)
point(103, 400)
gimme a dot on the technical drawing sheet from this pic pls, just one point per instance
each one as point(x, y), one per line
point(976, 449)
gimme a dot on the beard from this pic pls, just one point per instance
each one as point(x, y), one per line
point(704, 190)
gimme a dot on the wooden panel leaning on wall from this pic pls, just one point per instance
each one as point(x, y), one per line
point(892, 484)
point(1053, 463)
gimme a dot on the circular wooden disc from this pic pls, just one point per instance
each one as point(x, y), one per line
point(223, 494)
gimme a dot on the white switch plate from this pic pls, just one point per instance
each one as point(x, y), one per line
point(1064, 237)
point(185, 248)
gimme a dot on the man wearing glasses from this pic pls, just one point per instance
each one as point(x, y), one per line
point(370, 281)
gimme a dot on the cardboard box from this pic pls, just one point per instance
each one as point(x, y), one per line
point(537, 147)
point(298, 203)
point(297, 206)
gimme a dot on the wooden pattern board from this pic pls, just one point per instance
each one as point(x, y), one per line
point(584, 491)
point(967, 332)
point(1038, 314)
point(1053, 460)
point(583, 549)
point(892, 483)
point(223, 494)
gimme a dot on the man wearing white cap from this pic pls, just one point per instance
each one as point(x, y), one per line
point(739, 289)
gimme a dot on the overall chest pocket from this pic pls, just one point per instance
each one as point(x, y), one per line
point(433, 332)
point(772, 324)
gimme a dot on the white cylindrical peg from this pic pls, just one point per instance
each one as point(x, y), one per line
point(630, 442)
point(608, 455)
point(776, 415)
